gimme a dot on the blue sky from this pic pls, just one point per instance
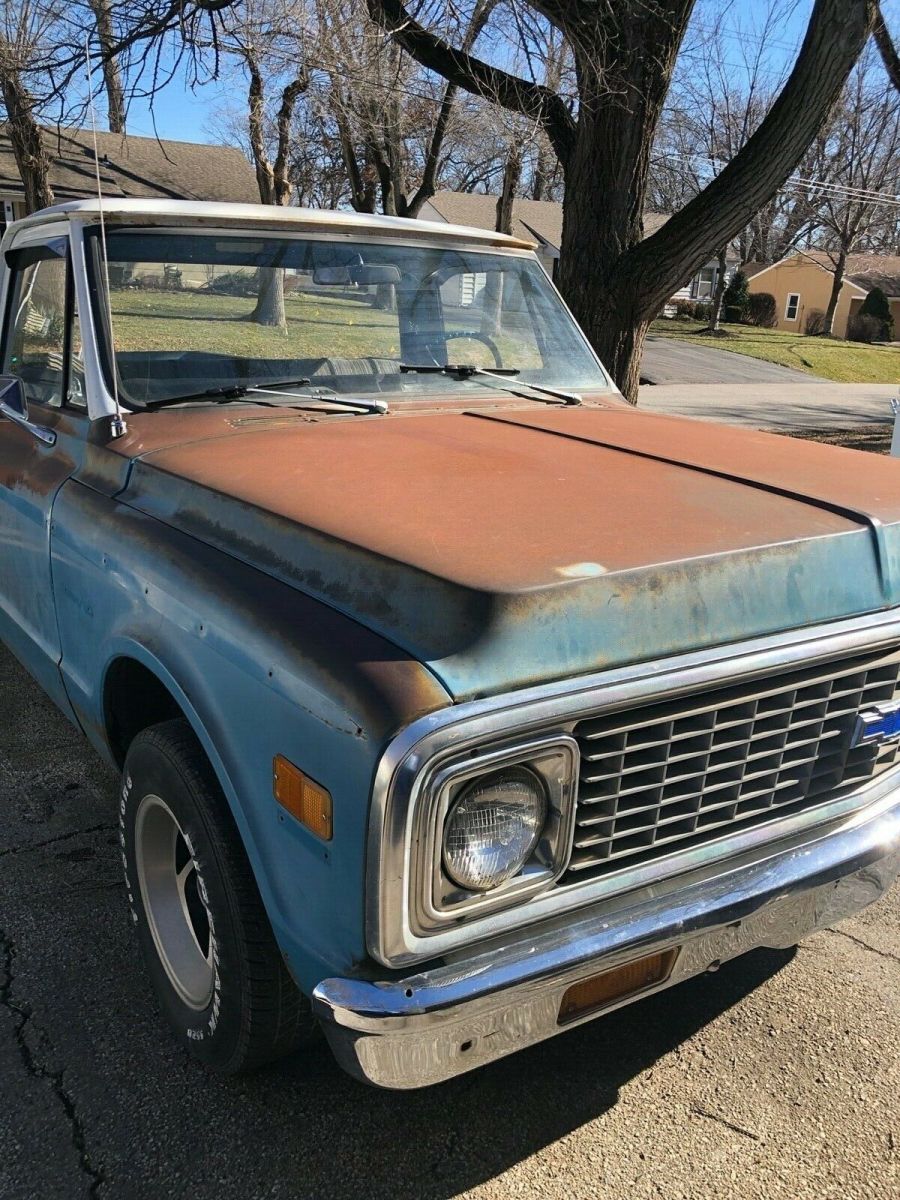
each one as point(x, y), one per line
point(190, 115)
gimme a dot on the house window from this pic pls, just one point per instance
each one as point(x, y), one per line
point(792, 307)
point(704, 283)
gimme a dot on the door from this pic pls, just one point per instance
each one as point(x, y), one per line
point(40, 347)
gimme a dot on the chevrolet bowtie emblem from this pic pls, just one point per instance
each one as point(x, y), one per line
point(881, 723)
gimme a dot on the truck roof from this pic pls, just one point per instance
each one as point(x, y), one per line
point(167, 212)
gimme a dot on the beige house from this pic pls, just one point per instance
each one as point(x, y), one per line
point(129, 166)
point(801, 285)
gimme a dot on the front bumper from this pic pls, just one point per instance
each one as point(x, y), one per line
point(441, 1022)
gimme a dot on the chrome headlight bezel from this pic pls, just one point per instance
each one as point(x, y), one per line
point(437, 901)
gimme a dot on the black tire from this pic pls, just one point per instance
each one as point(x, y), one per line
point(239, 1007)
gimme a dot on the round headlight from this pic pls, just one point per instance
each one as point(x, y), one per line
point(493, 828)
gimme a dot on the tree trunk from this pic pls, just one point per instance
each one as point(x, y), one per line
point(619, 340)
point(24, 134)
point(269, 308)
point(836, 285)
point(512, 174)
point(541, 172)
point(112, 78)
point(492, 301)
point(715, 316)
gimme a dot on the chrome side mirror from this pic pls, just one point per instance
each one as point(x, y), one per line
point(12, 395)
point(14, 407)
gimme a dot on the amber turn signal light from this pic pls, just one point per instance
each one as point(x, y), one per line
point(302, 797)
point(628, 980)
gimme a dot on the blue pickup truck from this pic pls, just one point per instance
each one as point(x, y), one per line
point(456, 702)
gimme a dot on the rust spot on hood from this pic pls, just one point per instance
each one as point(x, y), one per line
point(490, 505)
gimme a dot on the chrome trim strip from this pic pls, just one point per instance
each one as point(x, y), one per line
point(47, 436)
point(419, 1030)
point(554, 708)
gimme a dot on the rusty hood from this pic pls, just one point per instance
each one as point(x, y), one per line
point(507, 547)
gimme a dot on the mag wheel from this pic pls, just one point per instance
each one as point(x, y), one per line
point(203, 932)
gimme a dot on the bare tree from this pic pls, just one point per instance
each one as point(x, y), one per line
point(109, 62)
point(28, 31)
point(625, 54)
point(43, 60)
point(726, 80)
point(264, 35)
point(391, 123)
point(860, 158)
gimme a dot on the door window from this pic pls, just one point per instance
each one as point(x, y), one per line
point(38, 344)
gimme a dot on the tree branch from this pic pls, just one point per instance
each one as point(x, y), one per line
point(887, 49)
point(428, 184)
point(474, 75)
point(835, 37)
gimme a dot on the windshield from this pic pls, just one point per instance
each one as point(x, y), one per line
point(195, 313)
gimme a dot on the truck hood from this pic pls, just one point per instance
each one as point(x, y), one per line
point(503, 548)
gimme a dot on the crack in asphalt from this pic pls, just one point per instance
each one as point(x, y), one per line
point(60, 837)
point(747, 1133)
point(22, 1014)
point(866, 945)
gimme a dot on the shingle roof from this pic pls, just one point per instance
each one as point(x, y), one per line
point(136, 166)
point(532, 219)
point(865, 270)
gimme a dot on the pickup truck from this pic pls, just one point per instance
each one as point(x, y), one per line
point(456, 702)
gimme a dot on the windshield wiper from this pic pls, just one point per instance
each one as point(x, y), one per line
point(241, 391)
point(216, 395)
point(326, 395)
point(467, 370)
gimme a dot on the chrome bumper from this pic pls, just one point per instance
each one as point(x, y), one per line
point(429, 1027)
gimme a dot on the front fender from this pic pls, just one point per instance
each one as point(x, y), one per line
point(258, 669)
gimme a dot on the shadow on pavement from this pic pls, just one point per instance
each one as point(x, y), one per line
point(90, 1072)
point(441, 1141)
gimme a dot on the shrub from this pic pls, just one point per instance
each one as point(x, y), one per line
point(865, 328)
point(235, 283)
point(815, 322)
point(877, 306)
point(736, 296)
point(761, 310)
point(697, 310)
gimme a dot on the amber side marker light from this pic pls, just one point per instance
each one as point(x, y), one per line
point(302, 797)
point(610, 986)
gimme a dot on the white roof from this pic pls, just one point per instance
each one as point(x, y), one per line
point(168, 212)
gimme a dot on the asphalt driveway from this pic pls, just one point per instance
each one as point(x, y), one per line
point(775, 1077)
point(670, 360)
point(776, 406)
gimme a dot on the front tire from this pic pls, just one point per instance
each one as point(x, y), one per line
point(204, 935)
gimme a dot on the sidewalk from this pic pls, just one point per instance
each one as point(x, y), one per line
point(813, 405)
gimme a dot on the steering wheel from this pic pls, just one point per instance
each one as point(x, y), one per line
point(475, 334)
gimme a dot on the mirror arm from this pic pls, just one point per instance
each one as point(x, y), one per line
point(47, 436)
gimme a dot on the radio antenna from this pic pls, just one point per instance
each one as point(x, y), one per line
point(117, 427)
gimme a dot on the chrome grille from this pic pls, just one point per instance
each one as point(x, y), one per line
point(667, 776)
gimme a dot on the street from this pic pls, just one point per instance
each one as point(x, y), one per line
point(775, 1077)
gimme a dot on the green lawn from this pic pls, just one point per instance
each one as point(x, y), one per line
point(318, 326)
point(840, 361)
point(193, 320)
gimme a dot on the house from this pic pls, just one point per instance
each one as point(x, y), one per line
point(802, 283)
point(129, 166)
point(540, 221)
